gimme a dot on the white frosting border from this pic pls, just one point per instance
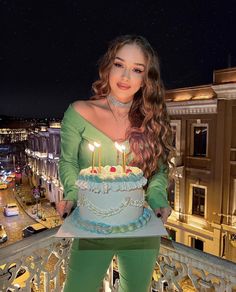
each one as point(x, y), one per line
point(114, 181)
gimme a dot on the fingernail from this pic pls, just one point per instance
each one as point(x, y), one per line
point(158, 215)
point(64, 215)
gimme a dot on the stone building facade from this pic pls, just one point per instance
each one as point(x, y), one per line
point(203, 192)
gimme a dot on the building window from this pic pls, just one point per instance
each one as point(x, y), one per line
point(199, 141)
point(171, 193)
point(198, 202)
point(172, 234)
point(197, 243)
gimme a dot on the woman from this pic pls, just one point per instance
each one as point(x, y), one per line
point(128, 107)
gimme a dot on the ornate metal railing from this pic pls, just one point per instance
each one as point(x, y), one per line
point(186, 269)
point(44, 258)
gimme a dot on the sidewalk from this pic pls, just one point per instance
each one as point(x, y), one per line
point(44, 213)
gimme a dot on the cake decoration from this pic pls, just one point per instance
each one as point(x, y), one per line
point(102, 228)
point(111, 200)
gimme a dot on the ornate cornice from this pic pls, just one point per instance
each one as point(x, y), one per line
point(192, 107)
point(225, 91)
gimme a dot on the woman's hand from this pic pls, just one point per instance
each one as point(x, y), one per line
point(64, 208)
point(163, 213)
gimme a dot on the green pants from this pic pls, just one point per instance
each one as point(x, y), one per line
point(90, 259)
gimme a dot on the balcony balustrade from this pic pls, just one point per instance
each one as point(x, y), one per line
point(178, 268)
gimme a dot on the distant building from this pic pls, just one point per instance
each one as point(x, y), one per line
point(43, 155)
point(203, 193)
point(12, 147)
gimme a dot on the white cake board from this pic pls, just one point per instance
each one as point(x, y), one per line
point(154, 227)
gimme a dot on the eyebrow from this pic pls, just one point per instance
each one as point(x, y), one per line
point(138, 64)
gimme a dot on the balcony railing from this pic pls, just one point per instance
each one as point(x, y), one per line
point(44, 260)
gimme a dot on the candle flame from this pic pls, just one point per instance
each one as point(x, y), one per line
point(96, 144)
point(119, 147)
point(123, 148)
point(91, 147)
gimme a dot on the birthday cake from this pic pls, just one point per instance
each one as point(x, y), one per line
point(111, 200)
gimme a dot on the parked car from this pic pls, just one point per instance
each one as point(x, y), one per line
point(3, 234)
point(21, 276)
point(33, 229)
point(3, 186)
point(11, 209)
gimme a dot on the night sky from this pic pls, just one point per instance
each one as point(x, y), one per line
point(49, 49)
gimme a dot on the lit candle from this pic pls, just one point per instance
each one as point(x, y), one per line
point(123, 157)
point(117, 153)
point(92, 148)
point(121, 148)
point(97, 145)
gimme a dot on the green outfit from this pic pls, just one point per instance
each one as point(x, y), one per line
point(90, 259)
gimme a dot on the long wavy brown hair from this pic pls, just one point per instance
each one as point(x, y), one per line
point(150, 135)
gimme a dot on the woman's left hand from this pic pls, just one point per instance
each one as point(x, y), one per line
point(163, 213)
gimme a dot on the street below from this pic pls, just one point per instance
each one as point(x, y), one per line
point(28, 214)
point(14, 224)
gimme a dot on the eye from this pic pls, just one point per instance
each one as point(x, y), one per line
point(118, 65)
point(137, 70)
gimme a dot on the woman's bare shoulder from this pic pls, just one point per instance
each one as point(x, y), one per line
point(81, 106)
point(87, 107)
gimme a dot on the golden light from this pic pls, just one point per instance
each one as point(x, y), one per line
point(183, 97)
point(97, 145)
point(118, 147)
point(121, 148)
point(92, 148)
point(202, 96)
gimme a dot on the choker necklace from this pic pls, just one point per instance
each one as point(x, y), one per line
point(118, 117)
point(121, 120)
point(117, 103)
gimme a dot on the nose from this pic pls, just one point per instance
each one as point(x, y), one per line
point(126, 73)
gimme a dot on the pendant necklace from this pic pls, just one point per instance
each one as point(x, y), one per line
point(121, 120)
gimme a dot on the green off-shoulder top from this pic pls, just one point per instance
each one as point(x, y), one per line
point(76, 134)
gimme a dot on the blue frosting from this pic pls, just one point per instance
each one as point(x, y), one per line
point(102, 228)
point(106, 180)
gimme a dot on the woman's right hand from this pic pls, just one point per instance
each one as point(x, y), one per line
point(64, 208)
point(163, 213)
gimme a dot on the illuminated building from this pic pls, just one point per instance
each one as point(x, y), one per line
point(203, 192)
point(43, 155)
